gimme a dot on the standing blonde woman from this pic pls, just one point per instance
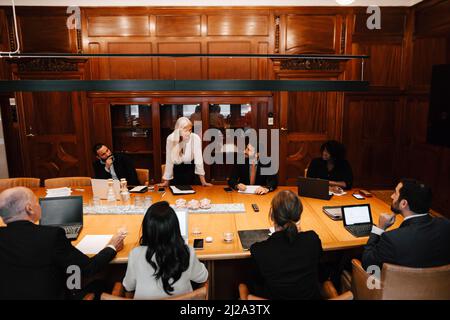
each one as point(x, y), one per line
point(184, 159)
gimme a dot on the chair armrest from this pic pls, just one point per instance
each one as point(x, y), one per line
point(359, 283)
point(243, 291)
point(118, 290)
point(328, 290)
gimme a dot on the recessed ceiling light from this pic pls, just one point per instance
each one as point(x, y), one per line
point(345, 2)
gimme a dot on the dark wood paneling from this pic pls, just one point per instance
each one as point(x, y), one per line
point(179, 68)
point(307, 112)
point(426, 53)
point(393, 24)
point(383, 68)
point(118, 26)
point(312, 34)
point(370, 129)
point(178, 26)
point(238, 25)
point(130, 68)
point(432, 18)
point(224, 68)
point(44, 34)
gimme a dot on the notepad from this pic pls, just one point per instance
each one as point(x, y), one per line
point(249, 190)
point(93, 244)
point(58, 192)
point(181, 190)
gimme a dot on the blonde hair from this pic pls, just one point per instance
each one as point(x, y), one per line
point(178, 144)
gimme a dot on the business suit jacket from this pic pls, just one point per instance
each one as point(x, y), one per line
point(241, 174)
point(34, 261)
point(418, 243)
point(123, 166)
point(288, 271)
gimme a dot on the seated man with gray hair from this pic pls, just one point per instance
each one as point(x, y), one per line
point(35, 259)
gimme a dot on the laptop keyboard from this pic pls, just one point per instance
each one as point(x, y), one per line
point(72, 231)
point(360, 230)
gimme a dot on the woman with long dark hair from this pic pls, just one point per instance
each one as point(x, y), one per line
point(287, 262)
point(163, 265)
point(332, 166)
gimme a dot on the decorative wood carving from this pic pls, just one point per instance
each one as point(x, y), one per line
point(277, 34)
point(309, 64)
point(46, 65)
point(79, 42)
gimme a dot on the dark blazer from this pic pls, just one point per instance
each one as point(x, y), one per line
point(288, 271)
point(418, 243)
point(34, 261)
point(241, 174)
point(342, 171)
point(123, 166)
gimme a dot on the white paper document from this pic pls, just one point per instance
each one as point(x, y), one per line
point(93, 244)
point(58, 192)
point(178, 191)
point(250, 189)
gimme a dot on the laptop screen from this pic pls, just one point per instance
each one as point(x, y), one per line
point(182, 215)
point(356, 214)
point(61, 211)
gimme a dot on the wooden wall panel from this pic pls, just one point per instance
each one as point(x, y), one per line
point(426, 53)
point(178, 26)
point(312, 34)
point(432, 18)
point(226, 68)
point(238, 25)
point(180, 68)
point(384, 67)
point(118, 26)
point(370, 134)
point(130, 68)
point(393, 26)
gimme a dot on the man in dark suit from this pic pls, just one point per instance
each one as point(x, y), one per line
point(113, 165)
point(249, 173)
point(421, 241)
point(36, 260)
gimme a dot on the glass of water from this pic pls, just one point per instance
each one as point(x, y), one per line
point(148, 200)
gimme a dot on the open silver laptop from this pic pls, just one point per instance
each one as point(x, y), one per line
point(100, 188)
point(357, 219)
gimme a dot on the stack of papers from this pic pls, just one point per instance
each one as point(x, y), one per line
point(58, 192)
point(176, 190)
point(250, 189)
point(93, 244)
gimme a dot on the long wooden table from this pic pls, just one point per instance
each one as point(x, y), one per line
point(332, 233)
point(226, 262)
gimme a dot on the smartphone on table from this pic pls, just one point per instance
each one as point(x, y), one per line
point(198, 244)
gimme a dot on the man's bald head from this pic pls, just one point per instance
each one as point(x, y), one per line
point(19, 203)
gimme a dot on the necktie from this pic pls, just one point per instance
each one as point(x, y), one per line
point(252, 173)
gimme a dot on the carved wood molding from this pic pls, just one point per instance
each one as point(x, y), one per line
point(47, 64)
point(277, 34)
point(79, 42)
point(309, 64)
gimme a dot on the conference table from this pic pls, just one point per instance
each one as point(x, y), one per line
point(224, 259)
point(332, 233)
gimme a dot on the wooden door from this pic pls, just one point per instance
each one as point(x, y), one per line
point(307, 120)
point(52, 134)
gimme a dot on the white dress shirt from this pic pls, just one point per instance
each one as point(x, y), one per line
point(193, 151)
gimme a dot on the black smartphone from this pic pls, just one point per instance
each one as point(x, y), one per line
point(358, 196)
point(161, 189)
point(198, 244)
point(228, 189)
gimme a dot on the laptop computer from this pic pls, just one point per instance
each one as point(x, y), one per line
point(100, 188)
point(357, 219)
point(183, 218)
point(249, 237)
point(313, 188)
point(64, 212)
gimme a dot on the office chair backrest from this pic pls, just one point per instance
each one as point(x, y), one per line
point(415, 283)
point(19, 182)
point(67, 182)
point(401, 283)
point(143, 176)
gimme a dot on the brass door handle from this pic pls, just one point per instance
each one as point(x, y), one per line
point(284, 129)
